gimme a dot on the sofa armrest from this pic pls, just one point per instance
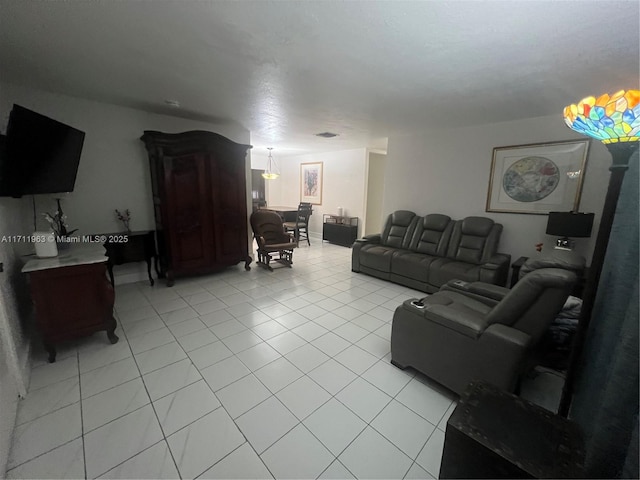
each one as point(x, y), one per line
point(487, 293)
point(372, 238)
point(503, 333)
point(357, 245)
point(285, 238)
point(460, 321)
point(499, 260)
point(496, 270)
point(509, 344)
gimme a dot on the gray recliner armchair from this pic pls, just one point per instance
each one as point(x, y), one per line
point(478, 331)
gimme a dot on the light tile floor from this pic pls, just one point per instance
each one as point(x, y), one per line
point(255, 374)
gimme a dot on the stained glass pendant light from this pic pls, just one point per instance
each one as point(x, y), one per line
point(271, 173)
point(615, 121)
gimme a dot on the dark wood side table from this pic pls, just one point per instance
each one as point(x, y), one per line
point(494, 434)
point(515, 270)
point(72, 295)
point(340, 230)
point(131, 247)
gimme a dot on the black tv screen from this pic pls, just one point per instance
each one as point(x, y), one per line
point(41, 155)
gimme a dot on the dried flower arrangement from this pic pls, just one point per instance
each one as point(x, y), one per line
point(124, 217)
point(58, 222)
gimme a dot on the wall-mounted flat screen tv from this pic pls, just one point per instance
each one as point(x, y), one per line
point(41, 155)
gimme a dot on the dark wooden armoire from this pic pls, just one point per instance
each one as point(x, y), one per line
point(200, 201)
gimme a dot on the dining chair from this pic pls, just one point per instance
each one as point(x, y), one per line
point(301, 226)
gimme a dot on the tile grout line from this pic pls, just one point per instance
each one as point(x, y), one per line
point(43, 453)
point(220, 406)
point(305, 374)
point(47, 413)
point(293, 287)
point(84, 449)
point(272, 394)
point(275, 394)
point(164, 437)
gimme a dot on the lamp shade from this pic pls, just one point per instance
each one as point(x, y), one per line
point(570, 224)
point(610, 119)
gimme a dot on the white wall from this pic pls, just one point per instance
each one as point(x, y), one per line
point(375, 193)
point(15, 316)
point(9, 407)
point(447, 171)
point(114, 168)
point(259, 161)
point(343, 184)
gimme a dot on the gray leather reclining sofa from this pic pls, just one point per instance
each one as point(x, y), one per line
point(426, 252)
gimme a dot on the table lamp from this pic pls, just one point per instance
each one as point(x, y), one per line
point(569, 224)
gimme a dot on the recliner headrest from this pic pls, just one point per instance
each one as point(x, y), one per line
point(402, 217)
point(478, 226)
point(547, 278)
point(435, 221)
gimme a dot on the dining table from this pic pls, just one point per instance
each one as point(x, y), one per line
point(288, 214)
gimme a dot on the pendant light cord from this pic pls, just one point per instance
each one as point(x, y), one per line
point(33, 200)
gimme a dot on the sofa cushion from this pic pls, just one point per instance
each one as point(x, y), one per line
point(412, 265)
point(444, 269)
point(377, 257)
point(432, 234)
point(474, 240)
point(398, 229)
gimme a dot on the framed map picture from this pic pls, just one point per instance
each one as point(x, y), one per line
point(311, 183)
point(537, 178)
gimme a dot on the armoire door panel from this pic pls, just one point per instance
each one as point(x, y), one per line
point(229, 206)
point(190, 229)
point(190, 249)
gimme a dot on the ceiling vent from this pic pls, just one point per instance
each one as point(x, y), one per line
point(326, 135)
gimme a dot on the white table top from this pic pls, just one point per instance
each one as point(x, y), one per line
point(77, 254)
point(280, 208)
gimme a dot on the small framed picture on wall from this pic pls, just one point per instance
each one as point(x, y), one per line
point(311, 183)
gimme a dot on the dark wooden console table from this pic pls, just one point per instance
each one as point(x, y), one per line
point(494, 434)
point(339, 229)
point(139, 246)
point(72, 295)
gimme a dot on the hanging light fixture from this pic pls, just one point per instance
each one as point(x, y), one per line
point(271, 173)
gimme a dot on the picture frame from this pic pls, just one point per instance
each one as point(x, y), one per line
point(311, 183)
point(537, 178)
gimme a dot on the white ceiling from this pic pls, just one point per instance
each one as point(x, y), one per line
point(286, 70)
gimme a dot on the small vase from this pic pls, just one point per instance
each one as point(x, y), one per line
point(45, 244)
point(63, 243)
